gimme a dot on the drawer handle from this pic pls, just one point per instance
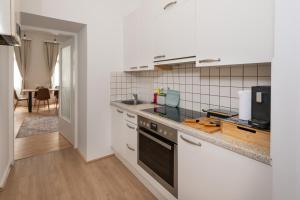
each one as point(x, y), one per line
point(130, 148)
point(120, 111)
point(133, 67)
point(170, 4)
point(161, 56)
point(210, 60)
point(130, 126)
point(191, 142)
point(130, 116)
point(246, 129)
point(143, 67)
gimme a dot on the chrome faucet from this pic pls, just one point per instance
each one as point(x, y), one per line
point(135, 98)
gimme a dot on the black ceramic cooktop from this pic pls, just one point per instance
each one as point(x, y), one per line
point(175, 114)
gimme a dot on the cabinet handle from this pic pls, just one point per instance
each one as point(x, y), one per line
point(120, 111)
point(130, 116)
point(210, 60)
point(130, 126)
point(133, 67)
point(143, 67)
point(130, 148)
point(170, 4)
point(161, 56)
point(191, 142)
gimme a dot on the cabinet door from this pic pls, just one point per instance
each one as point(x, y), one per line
point(130, 42)
point(118, 132)
point(209, 172)
point(131, 143)
point(234, 32)
point(175, 29)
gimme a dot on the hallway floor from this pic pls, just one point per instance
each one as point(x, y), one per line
point(63, 175)
point(36, 144)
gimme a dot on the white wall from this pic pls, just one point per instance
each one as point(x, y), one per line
point(38, 73)
point(6, 112)
point(104, 20)
point(286, 102)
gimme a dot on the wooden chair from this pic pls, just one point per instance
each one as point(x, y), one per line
point(56, 94)
point(35, 94)
point(19, 98)
point(43, 94)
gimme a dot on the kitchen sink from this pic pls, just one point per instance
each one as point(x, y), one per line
point(132, 102)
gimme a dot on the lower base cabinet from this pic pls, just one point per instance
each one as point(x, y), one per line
point(209, 172)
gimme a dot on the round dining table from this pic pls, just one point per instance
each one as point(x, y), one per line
point(30, 91)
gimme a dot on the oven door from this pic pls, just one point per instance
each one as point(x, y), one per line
point(158, 157)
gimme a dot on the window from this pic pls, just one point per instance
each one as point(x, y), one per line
point(17, 77)
point(55, 76)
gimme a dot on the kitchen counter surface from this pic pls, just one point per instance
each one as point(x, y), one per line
point(249, 150)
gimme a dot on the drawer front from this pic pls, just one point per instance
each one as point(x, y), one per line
point(131, 143)
point(130, 117)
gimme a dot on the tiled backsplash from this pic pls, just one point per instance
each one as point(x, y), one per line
point(200, 88)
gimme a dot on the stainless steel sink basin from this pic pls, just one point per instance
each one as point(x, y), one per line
point(132, 102)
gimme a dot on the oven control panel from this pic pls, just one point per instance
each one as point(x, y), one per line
point(158, 128)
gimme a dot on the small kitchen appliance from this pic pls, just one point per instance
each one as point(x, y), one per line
point(261, 107)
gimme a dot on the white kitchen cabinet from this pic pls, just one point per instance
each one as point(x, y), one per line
point(234, 32)
point(175, 31)
point(208, 172)
point(138, 40)
point(131, 143)
point(118, 131)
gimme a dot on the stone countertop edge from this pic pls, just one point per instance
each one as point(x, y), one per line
point(229, 143)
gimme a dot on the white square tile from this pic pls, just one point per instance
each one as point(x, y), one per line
point(176, 87)
point(182, 95)
point(204, 89)
point(264, 81)
point(237, 70)
point(225, 91)
point(225, 102)
point(171, 86)
point(196, 89)
point(264, 69)
point(182, 80)
point(214, 81)
point(204, 80)
point(234, 103)
point(235, 92)
point(214, 90)
point(189, 80)
point(196, 98)
point(214, 107)
point(250, 81)
point(224, 81)
point(250, 70)
point(196, 107)
point(182, 88)
point(225, 71)
point(189, 88)
point(188, 96)
point(182, 104)
point(237, 81)
point(189, 105)
point(205, 71)
point(214, 100)
point(205, 99)
point(170, 79)
point(214, 71)
point(176, 79)
point(196, 72)
point(182, 72)
point(196, 80)
point(189, 72)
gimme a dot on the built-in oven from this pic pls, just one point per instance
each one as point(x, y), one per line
point(157, 153)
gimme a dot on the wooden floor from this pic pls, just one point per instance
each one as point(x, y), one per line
point(36, 144)
point(63, 175)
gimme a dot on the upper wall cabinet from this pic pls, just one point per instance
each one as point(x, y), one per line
point(234, 32)
point(175, 31)
point(138, 40)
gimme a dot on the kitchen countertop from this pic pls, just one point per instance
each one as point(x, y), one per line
point(249, 150)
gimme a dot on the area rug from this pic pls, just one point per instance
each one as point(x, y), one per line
point(38, 125)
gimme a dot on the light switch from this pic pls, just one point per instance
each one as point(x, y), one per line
point(258, 97)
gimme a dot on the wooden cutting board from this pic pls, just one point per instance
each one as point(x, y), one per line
point(203, 125)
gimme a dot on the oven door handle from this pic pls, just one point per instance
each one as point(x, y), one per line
point(155, 140)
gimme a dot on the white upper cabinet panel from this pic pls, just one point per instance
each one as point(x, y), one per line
point(175, 31)
point(234, 32)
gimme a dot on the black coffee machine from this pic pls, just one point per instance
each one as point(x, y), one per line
point(261, 107)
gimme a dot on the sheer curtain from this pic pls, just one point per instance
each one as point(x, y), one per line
point(51, 54)
point(22, 55)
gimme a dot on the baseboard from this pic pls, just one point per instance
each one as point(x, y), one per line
point(4, 178)
point(94, 160)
